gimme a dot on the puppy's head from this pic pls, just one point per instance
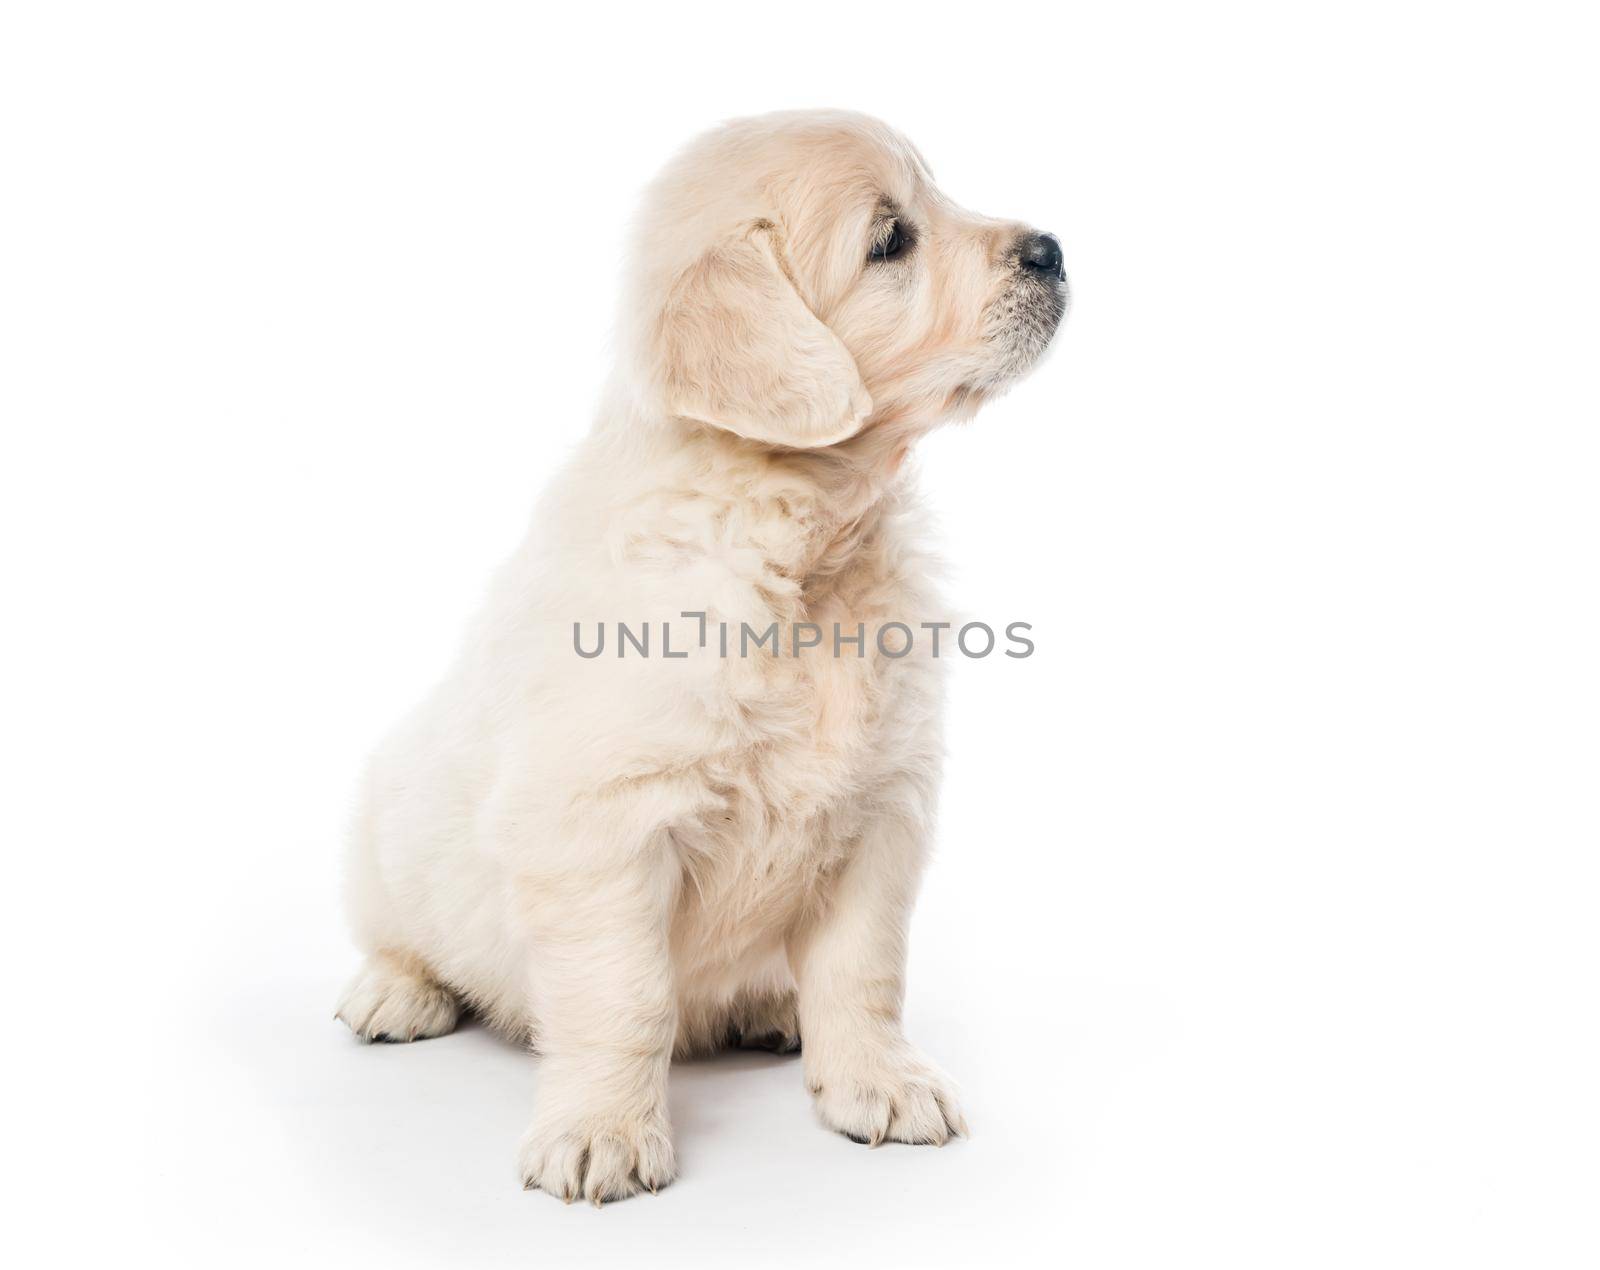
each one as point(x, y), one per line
point(799, 277)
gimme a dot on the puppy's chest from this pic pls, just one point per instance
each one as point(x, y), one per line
point(821, 727)
point(814, 729)
point(794, 795)
point(817, 719)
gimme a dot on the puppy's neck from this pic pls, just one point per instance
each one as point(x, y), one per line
point(809, 512)
point(842, 496)
point(853, 477)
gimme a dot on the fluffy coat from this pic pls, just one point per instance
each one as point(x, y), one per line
point(624, 857)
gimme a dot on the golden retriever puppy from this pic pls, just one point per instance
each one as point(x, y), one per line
point(711, 831)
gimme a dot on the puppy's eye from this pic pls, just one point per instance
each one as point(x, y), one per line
point(891, 241)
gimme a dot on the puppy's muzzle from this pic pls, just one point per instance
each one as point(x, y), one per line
point(1043, 278)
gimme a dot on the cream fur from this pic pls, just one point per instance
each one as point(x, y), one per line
point(625, 858)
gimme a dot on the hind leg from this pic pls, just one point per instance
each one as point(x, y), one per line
point(765, 1021)
point(394, 998)
point(755, 1019)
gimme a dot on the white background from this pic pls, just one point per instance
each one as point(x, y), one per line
point(1263, 929)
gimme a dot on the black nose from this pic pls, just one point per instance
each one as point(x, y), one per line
point(1042, 252)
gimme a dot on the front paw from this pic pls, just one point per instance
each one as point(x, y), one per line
point(875, 1096)
point(597, 1155)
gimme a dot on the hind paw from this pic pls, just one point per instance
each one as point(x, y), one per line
point(393, 999)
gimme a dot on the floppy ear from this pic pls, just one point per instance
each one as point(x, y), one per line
point(739, 349)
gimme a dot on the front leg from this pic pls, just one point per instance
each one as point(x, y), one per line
point(604, 1022)
point(870, 1083)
